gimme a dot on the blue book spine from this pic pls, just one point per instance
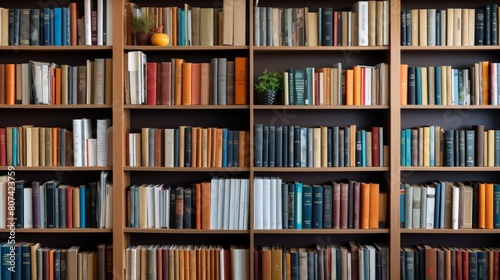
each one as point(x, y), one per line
point(408, 28)
point(182, 28)
point(317, 208)
point(439, 99)
point(411, 85)
point(298, 205)
point(26, 262)
point(307, 201)
point(432, 146)
point(229, 149)
point(82, 206)
point(136, 206)
point(15, 146)
point(58, 24)
point(51, 26)
point(65, 27)
point(309, 85)
point(438, 28)
point(236, 142)
point(437, 206)
point(224, 147)
point(496, 206)
point(455, 87)
point(418, 86)
point(133, 206)
point(481, 265)
point(441, 205)
point(176, 147)
point(497, 148)
point(363, 148)
point(402, 198)
point(472, 265)
point(407, 146)
point(449, 148)
point(5, 251)
point(18, 263)
point(403, 28)
point(46, 27)
point(403, 148)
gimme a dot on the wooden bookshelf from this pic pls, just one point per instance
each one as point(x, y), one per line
point(393, 117)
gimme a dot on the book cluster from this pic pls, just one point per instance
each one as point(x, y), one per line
point(444, 85)
point(453, 205)
point(220, 203)
point(327, 261)
point(51, 204)
point(339, 205)
point(450, 27)
point(295, 146)
point(59, 26)
point(366, 24)
point(180, 82)
point(48, 83)
point(33, 261)
point(420, 261)
point(188, 146)
point(361, 85)
point(187, 262)
point(28, 145)
point(195, 26)
point(434, 146)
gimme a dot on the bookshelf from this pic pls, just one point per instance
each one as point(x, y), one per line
point(128, 118)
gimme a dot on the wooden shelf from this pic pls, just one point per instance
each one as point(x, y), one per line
point(58, 168)
point(184, 231)
point(451, 231)
point(449, 48)
point(450, 169)
point(321, 231)
point(315, 49)
point(42, 107)
point(452, 107)
point(185, 48)
point(186, 107)
point(329, 107)
point(188, 169)
point(56, 48)
point(319, 169)
point(59, 230)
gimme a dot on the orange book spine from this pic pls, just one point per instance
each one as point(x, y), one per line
point(178, 81)
point(205, 205)
point(357, 85)
point(481, 222)
point(218, 147)
point(186, 83)
point(198, 205)
point(73, 24)
point(58, 86)
point(54, 146)
point(349, 85)
point(213, 146)
point(51, 264)
point(240, 80)
point(10, 84)
point(365, 206)
point(485, 84)
point(195, 84)
point(403, 77)
point(205, 84)
point(241, 148)
point(52, 85)
point(488, 206)
point(374, 204)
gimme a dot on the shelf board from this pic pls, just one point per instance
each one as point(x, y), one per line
point(451, 231)
point(447, 107)
point(321, 231)
point(55, 48)
point(319, 169)
point(40, 106)
point(57, 168)
point(60, 230)
point(188, 169)
point(184, 48)
point(448, 48)
point(184, 231)
point(318, 48)
point(329, 107)
point(449, 168)
point(187, 107)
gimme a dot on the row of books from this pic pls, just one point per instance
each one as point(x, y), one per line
point(325, 261)
point(444, 85)
point(440, 262)
point(30, 260)
point(434, 146)
point(366, 25)
point(361, 85)
point(295, 146)
point(60, 26)
point(188, 146)
point(455, 205)
point(51, 204)
point(220, 203)
point(450, 27)
point(48, 83)
point(339, 205)
point(179, 82)
point(195, 26)
point(187, 262)
point(40, 146)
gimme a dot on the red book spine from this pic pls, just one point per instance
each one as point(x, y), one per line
point(335, 29)
point(375, 146)
point(458, 265)
point(344, 201)
point(3, 147)
point(69, 207)
point(151, 83)
point(357, 204)
point(164, 260)
point(465, 267)
point(165, 83)
point(196, 84)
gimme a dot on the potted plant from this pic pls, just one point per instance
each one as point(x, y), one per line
point(268, 85)
point(142, 26)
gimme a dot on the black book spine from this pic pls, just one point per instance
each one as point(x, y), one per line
point(291, 208)
point(329, 146)
point(341, 148)
point(285, 146)
point(11, 27)
point(335, 148)
point(176, 147)
point(479, 34)
point(258, 143)
point(229, 149)
point(456, 148)
point(19, 204)
point(327, 27)
point(17, 26)
point(403, 28)
point(494, 24)
point(92, 189)
point(279, 146)
point(438, 28)
point(50, 194)
point(291, 146)
point(296, 147)
point(449, 148)
point(284, 206)
point(187, 146)
point(34, 27)
point(469, 148)
point(487, 25)
point(179, 208)
point(265, 146)
point(187, 208)
point(408, 28)
point(359, 149)
point(272, 146)
point(172, 208)
point(61, 194)
point(347, 156)
point(24, 27)
point(327, 206)
point(236, 143)
point(412, 92)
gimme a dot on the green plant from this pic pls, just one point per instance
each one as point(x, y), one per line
point(269, 80)
point(142, 23)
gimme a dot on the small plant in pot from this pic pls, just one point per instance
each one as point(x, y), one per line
point(269, 84)
point(142, 27)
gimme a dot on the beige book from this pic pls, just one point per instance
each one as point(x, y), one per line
point(372, 23)
point(437, 146)
point(457, 27)
point(5, 26)
point(108, 81)
point(239, 22)
point(379, 23)
point(35, 146)
point(48, 146)
point(206, 27)
point(420, 146)
point(71, 263)
point(425, 93)
point(90, 266)
point(345, 28)
point(465, 27)
point(204, 147)
point(414, 27)
point(491, 148)
point(352, 143)
point(485, 150)
point(317, 147)
point(227, 22)
point(450, 27)
point(449, 85)
point(427, 146)
point(143, 206)
point(324, 146)
point(90, 82)
point(368, 149)
point(276, 27)
point(334, 82)
point(354, 36)
point(312, 29)
point(29, 146)
point(444, 86)
point(422, 28)
point(472, 27)
point(76, 207)
point(477, 83)
point(467, 209)
point(144, 147)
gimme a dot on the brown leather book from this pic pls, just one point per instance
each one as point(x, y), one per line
point(374, 205)
point(108, 81)
point(276, 263)
point(205, 84)
point(241, 80)
point(431, 267)
point(344, 201)
point(178, 82)
point(158, 148)
point(241, 148)
point(151, 70)
point(166, 83)
point(186, 83)
point(266, 263)
point(365, 206)
point(230, 83)
point(196, 84)
point(205, 205)
point(218, 147)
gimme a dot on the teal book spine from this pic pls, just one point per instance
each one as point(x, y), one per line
point(439, 95)
point(402, 198)
point(298, 206)
point(26, 262)
point(317, 207)
point(407, 147)
point(82, 206)
point(363, 148)
point(402, 151)
point(307, 206)
point(310, 85)
point(432, 147)
point(57, 27)
point(481, 265)
point(418, 86)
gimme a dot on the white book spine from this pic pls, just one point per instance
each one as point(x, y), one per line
point(214, 203)
point(91, 152)
point(431, 200)
point(109, 23)
point(45, 84)
point(102, 144)
point(361, 9)
point(279, 203)
point(273, 204)
point(86, 134)
point(227, 196)
point(220, 204)
point(109, 206)
point(258, 218)
point(3, 202)
point(454, 207)
point(28, 209)
point(169, 147)
point(267, 203)
point(77, 142)
point(87, 19)
point(100, 22)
